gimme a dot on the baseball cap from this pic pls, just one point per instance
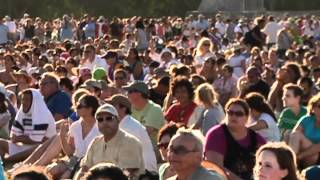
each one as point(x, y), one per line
point(119, 99)
point(91, 83)
point(99, 74)
point(108, 108)
point(139, 86)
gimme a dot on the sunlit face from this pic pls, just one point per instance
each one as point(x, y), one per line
point(267, 167)
point(26, 102)
point(181, 94)
point(236, 116)
point(288, 98)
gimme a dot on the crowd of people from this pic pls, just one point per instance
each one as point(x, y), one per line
point(193, 98)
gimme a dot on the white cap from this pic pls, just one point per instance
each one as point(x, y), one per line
point(108, 108)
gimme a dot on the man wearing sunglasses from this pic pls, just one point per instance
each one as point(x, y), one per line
point(185, 152)
point(113, 146)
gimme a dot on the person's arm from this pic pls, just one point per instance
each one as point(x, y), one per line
point(5, 119)
point(274, 93)
point(260, 124)
point(314, 149)
point(23, 139)
point(66, 140)
point(217, 158)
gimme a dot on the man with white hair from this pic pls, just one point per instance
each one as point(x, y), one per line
point(185, 152)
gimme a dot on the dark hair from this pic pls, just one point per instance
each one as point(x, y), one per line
point(240, 102)
point(139, 24)
point(165, 80)
point(31, 173)
point(307, 80)
point(257, 102)
point(228, 67)
point(90, 101)
point(296, 69)
point(297, 90)
point(169, 129)
point(3, 104)
point(67, 83)
point(104, 170)
point(285, 157)
point(182, 81)
point(128, 110)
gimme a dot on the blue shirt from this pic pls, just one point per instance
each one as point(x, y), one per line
point(59, 103)
point(308, 123)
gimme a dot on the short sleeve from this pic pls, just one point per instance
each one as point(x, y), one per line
point(216, 140)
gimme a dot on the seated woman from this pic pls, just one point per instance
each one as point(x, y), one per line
point(213, 113)
point(275, 161)
point(185, 110)
point(232, 145)
point(305, 137)
point(262, 118)
point(75, 142)
point(34, 124)
point(164, 136)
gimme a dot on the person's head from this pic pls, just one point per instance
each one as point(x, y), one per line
point(137, 91)
point(105, 171)
point(99, 74)
point(89, 51)
point(31, 173)
point(9, 61)
point(121, 103)
point(206, 95)
point(292, 95)
point(22, 77)
point(77, 94)
point(66, 84)
point(258, 104)
point(108, 120)
point(314, 105)
point(120, 77)
point(87, 105)
point(185, 150)
point(253, 74)
point(49, 84)
point(93, 86)
point(294, 72)
point(237, 112)
point(111, 57)
point(26, 100)
point(205, 45)
point(275, 161)
point(182, 89)
point(227, 71)
point(306, 83)
point(197, 80)
point(166, 55)
point(164, 136)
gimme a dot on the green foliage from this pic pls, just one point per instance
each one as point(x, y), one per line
point(126, 8)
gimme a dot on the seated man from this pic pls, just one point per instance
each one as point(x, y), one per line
point(185, 156)
point(113, 146)
point(33, 125)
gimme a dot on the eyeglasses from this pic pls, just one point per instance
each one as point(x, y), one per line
point(180, 150)
point(236, 113)
point(108, 119)
point(163, 145)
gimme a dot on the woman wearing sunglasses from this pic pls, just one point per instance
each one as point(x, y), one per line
point(164, 136)
point(232, 145)
point(305, 137)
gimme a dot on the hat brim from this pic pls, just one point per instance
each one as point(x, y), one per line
point(17, 74)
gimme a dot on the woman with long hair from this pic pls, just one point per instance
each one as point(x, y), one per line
point(275, 161)
point(262, 118)
point(213, 113)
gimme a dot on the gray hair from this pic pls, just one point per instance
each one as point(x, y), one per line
point(196, 135)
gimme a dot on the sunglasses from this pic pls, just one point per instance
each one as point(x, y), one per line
point(180, 150)
point(163, 145)
point(206, 44)
point(108, 119)
point(119, 78)
point(236, 113)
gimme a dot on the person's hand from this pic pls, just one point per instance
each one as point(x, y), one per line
point(64, 128)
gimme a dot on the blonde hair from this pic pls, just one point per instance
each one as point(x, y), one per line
point(312, 102)
point(200, 43)
point(206, 95)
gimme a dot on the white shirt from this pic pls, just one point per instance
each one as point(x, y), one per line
point(271, 30)
point(271, 133)
point(11, 25)
point(135, 128)
point(81, 144)
point(98, 62)
point(222, 28)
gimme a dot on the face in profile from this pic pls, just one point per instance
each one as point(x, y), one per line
point(268, 168)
